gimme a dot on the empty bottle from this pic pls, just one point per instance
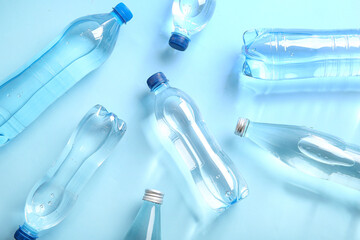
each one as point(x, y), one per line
point(54, 195)
point(85, 44)
point(189, 17)
point(147, 224)
point(211, 169)
point(312, 152)
point(279, 54)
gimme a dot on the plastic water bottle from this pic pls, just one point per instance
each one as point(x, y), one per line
point(211, 169)
point(189, 17)
point(54, 195)
point(278, 54)
point(312, 152)
point(84, 45)
point(147, 224)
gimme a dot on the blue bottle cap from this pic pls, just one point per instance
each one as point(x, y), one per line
point(123, 12)
point(179, 42)
point(21, 235)
point(156, 80)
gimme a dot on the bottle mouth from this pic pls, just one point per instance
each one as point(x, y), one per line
point(179, 42)
point(154, 196)
point(242, 126)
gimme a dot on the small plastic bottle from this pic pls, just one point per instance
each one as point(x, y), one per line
point(147, 224)
point(212, 171)
point(84, 46)
point(315, 153)
point(53, 196)
point(189, 17)
point(283, 54)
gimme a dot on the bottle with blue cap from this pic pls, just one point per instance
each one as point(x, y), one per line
point(207, 166)
point(189, 17)
point(84, 45)
point(51, 199)
point(147, 223)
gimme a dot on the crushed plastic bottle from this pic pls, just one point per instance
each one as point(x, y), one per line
point(53, 196)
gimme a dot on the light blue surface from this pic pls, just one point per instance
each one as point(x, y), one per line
point(282, 203)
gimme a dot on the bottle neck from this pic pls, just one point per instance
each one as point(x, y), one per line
point(158, 89)
point(182, 32)
point(147, 223)
point(118, 18)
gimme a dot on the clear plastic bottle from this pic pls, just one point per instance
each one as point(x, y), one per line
point(189, 17)
point(279, 54)
point(147, 224)
point(84, 45)
point(312, 152)
point(179, 119)
point(53, 196)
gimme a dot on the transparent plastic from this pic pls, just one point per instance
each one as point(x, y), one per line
point(312, 152)
point(280, 54)
point(90, 144)
point(191, 16)
point(147, 224)
point(213, 172)
point(81, 48)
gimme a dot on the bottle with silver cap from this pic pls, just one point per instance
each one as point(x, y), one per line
point(147, 224)
point(201, 160)
point(313, 152)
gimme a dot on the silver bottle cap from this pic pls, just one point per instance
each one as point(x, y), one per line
point(154, 196)
point(241, 126)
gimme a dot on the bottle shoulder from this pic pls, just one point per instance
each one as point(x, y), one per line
point(174, 99)
point(93, 27)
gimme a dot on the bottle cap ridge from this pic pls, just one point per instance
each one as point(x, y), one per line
point(21, 235)
point(123, 12)
point(179, 42)
point(154, 196)
point(156, 79)
point(241, 126)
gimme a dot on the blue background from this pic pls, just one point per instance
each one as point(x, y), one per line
point(282, 204)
